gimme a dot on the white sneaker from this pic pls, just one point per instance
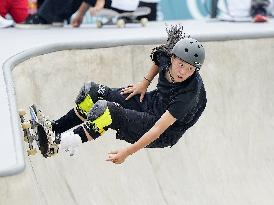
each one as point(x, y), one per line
point(4, 23)
point(69, 141)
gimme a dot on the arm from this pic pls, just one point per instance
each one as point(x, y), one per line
point(98, 6)
point(141, 87)
point(77, 20)
point(160, 126)
point(154, 70)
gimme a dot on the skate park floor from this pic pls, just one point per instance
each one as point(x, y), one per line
point(226, 158)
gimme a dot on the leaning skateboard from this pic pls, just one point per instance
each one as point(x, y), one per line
point(111, 17)
point(38, 130)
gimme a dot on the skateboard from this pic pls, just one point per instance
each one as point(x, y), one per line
point(38, 130)
point(111, 17)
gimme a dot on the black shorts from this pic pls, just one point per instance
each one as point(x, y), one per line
point(132, 118)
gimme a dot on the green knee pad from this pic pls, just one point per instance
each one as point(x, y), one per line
point(99, 119)
point(102, 122)
point(84, 107)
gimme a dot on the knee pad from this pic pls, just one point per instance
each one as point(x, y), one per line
point(98, 119)
point(84, 107)
point(88, 95)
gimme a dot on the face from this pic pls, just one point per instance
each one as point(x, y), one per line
point(180, 70)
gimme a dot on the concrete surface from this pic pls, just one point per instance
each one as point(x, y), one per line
point(226, 158)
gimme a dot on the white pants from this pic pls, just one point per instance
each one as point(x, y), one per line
point(126, 5)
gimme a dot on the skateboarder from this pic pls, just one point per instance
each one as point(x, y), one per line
point(155, 119)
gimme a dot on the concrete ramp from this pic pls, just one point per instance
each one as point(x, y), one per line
point(226, 158)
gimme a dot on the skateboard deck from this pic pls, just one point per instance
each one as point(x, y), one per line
point(111, 17)
point(38, 130)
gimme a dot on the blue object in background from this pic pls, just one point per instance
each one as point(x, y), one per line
point(183, 9)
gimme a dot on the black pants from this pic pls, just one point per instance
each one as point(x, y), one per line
point(58, 10)
point(131, 118)
point(153, 14)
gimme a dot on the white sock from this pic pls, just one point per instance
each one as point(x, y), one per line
point(69, 141)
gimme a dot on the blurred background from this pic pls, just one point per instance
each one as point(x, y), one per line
point(180, 9)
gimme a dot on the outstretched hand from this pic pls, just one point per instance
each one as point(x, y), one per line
point(118, 157)
point(138, 88)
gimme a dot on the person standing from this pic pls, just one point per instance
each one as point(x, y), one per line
point(18, 9)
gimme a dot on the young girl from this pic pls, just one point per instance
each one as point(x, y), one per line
point(153, 119)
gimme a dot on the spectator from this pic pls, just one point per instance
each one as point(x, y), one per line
point(258, 10)
point(234, 10)
point(18, 9)
point(96, 5)
point(56, 11)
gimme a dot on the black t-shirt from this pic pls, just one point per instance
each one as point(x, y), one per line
point(185, 100)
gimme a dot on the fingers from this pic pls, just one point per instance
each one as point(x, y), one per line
point(114, 158)
point(111, 157)
point(142, 97)
point(127, 90)
point(113, 152)
point(130, 91)
point(130, 96)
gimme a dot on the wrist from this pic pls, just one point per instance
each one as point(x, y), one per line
point(129, 151)
point(80, 14)
point(147, 80)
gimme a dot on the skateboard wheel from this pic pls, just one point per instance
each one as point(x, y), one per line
point(22, 113)
point(48, 124)
point(39, 115)
point(31, 152)
point(54, 149)
point(121, 23)
point(26, 138)
point(26, 125)
point(99, 24)
point(144, 21)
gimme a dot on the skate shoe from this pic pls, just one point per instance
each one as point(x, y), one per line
point(260, 18)
point(69, 142)
point(4, 23)
point(258, 11)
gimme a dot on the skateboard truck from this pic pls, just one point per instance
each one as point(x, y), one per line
point(28, 136)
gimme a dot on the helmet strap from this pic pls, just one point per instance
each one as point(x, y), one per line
point(171, 77)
